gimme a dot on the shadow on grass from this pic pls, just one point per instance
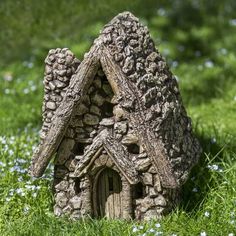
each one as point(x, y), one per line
point(201, 180)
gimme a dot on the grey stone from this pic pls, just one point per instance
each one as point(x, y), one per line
point(143, 164)
point(107, 122)
point(107, 89)
point(57, 210)
point(75, 202)
point(51, 105)
point(147, 179)
point(160, 201)
point(90, 119)
point(97, 82)
point(67, 210)
point(81, 109)
point(146, 204)
point(52, 86)
point(118, 112)
point(152, 192)
point(157, 183)
point(61, 199)
point(62, 185)
point(95, 110)
point(59, 84)
point(98, 99)
point(120, 127)
point(151, 215)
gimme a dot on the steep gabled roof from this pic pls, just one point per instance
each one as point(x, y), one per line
point(116, 152)
point(145, 89)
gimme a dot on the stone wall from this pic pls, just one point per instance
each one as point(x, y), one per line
point(98, 110)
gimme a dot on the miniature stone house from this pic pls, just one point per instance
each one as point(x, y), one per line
point(122, 140)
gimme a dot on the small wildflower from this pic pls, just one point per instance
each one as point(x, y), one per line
point(232, 22)
point(209, 64)
point(7, 91)
point(8, 199)
point(158, 225)
point(230, 234)
point(158, 233)
point(152, 230)
point(195, 190)
point(11, 152)
point(161, 12)
point(175, 64)
point(232, 222)
point(213, 140)
point(26, 209)
point(7, 77)
point(141, 227)
point(223, 51)
point(207, 214)
point(135, 229)
point(203, 234)
point(26, 91)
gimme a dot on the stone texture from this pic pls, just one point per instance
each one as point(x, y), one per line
point(147, 179)
point(107, 122)
point(147, 110)
point(90, 119)
point(61, 199)
point(51, 105)
point(76, 202)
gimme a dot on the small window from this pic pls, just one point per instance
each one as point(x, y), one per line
point(107, 109)
point(138, 190)
point(133, 148)
point(79, 148)
point(77, 186)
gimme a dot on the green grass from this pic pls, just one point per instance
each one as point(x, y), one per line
point(198, 40)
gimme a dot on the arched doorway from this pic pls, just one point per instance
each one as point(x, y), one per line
point(108, 194)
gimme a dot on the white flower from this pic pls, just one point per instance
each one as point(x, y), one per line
point(195, 190)
point(141, 227)
point(230, 234)
point(135, 229)
point(213, 140)
point(213, 167)
point(26, 209)
point(203, 234)
point(11, 152)
point(7, 77)
point(158, 225)
point(158, 233)
point(8, 199)
point(151, 230)
point(207, 214)
point(26, 91)
point(232, 22)
point(209, 64)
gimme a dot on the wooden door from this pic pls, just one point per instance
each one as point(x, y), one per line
point(109, 194)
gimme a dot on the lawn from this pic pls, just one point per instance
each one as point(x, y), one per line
point(198, 40)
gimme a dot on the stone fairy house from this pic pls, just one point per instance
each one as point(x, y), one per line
point(122, 140)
